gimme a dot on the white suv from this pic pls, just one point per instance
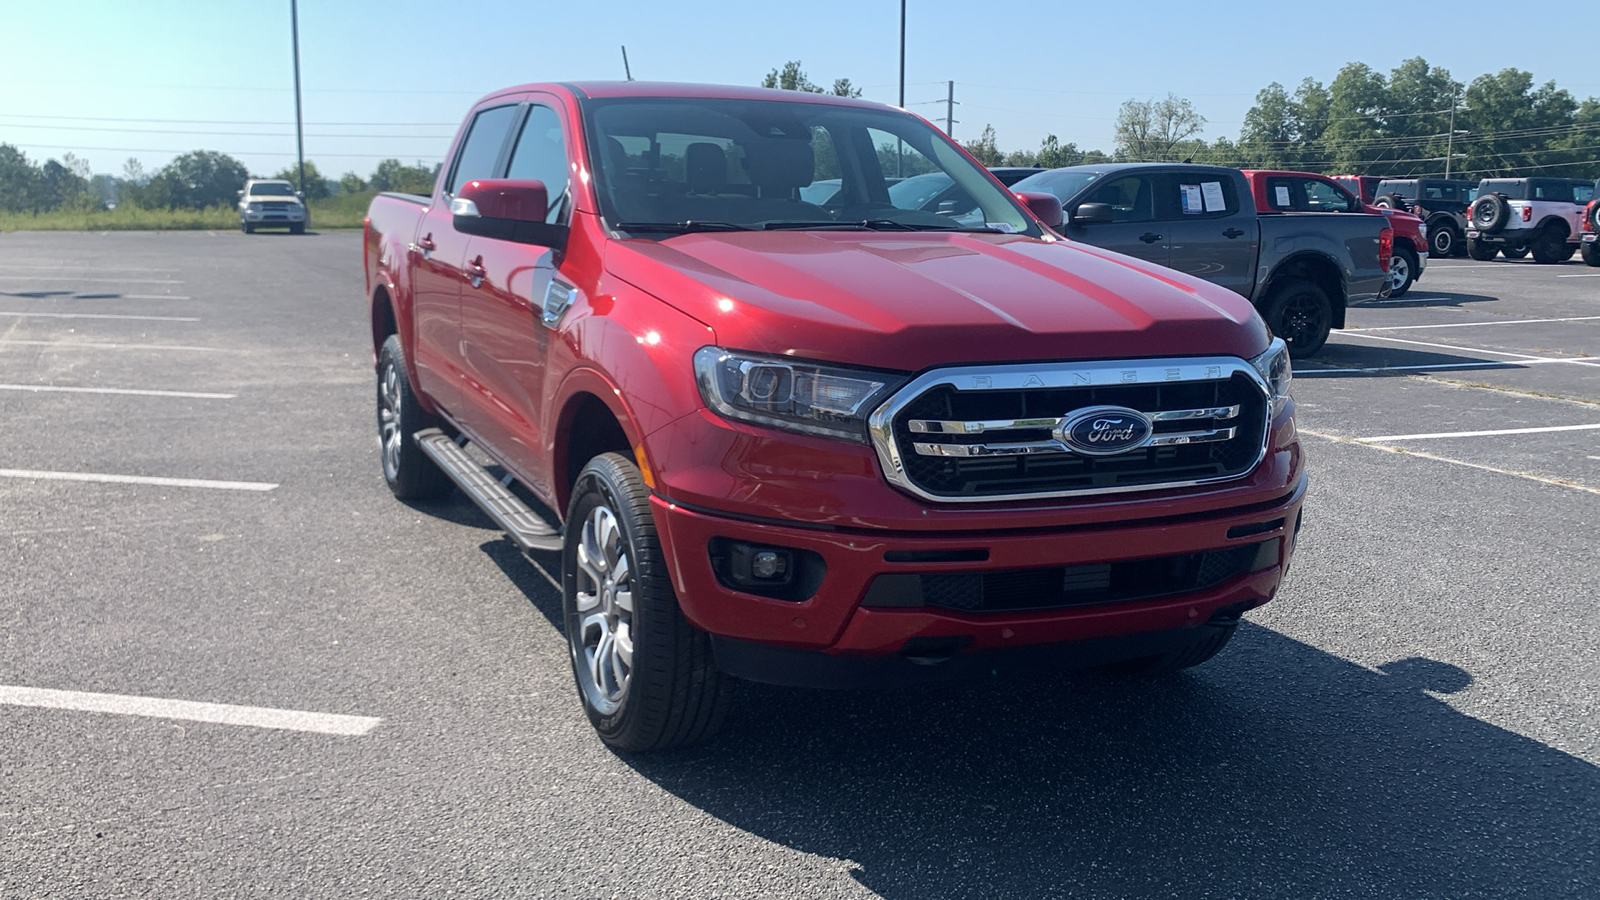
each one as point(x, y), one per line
point(270, 203)
point(1515, 215)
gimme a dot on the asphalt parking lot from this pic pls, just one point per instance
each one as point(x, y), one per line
point(231, 664)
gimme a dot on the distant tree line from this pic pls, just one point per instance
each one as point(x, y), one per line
point(195, 180)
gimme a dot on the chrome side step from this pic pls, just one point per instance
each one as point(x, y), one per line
point(526, 528)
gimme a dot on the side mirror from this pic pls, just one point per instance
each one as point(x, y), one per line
point(506, 209)
point(239, 193)
point(1045, 207)
point(1092, 214)
point(299, 196)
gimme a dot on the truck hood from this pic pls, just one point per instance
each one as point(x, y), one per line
point(917, 300)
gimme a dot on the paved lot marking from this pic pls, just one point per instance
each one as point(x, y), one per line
point(98, 268)
point(90, 280)
point(189, 710)
point(138, 479)
point(1473, 365)
point(1581, 361)
point(1588, 275)
point(93, 346)
point(47, 315)
point(134, 392)
point(1456, 434)
point(1526, 476)
point(1478, 324)
point(155, 297)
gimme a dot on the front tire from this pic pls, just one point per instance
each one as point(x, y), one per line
point(1591, 253)
point(1402, 271)
point(410, 474)
point(647, 678)
point(1481, 251)
point(1510, 252)
point(1299, 312)
point(297, 228)
point(247, 228)
point(1442, 243)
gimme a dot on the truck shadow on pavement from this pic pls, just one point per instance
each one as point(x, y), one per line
point(1425, 299)
point(1277, 770)
point(1339, 356)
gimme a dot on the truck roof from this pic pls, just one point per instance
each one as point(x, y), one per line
point(666, 89)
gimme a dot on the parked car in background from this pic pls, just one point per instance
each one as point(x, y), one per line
point(1298, 271)
point(1591, 228)
point(1363, 186)
point(270, 203)
point(867, 446)
point(1514, 216)
point(1440, 203)
point(1304, 192)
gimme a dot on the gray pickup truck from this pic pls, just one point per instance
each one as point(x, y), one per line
point(1299, 270)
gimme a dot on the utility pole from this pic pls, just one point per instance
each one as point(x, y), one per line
point(625, 70)
point(1450, 141)
point(950, 109)
point(299, 128)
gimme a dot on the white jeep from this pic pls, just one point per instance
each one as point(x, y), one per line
point(271, 203)
point(1512, 216)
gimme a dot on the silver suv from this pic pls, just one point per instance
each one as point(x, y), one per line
point(271, 203)
point(1515, 215)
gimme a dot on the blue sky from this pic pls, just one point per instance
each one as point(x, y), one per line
point(109, 80)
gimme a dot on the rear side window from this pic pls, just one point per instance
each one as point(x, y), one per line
point(541, 155)
point(1582, 193)
point(481, 150)
point(1191, 195)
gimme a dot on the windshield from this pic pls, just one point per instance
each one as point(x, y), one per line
point(663, 165)
point(272, 189)
point(1064, 183)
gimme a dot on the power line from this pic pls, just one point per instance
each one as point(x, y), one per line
point(218, 121)
point(191, 149)
point(97, 129)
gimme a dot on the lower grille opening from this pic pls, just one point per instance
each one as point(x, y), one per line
point(1062, 586)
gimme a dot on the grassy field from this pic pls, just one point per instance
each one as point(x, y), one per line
point(343, 211)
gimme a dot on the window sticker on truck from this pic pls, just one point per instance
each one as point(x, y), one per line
point(1192, 205)
point(1213, 196)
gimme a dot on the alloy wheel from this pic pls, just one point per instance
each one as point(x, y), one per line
point(389, 420)
point(603, 644)
point(1399, 271)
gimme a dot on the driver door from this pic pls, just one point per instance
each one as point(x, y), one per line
point(1135, 228)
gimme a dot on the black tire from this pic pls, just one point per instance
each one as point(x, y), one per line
point(1443, 242)
point(297, 228)
point(1489, 213)
point(1390, 201)
point(672, 694)
point(1208, 641)
point(1402, 271)
point(247, 228)
point(1299, 312)
point(1591, 253)
point(1513, 251)
point(1480, 251)
point(1552, 247)
point(410, 474)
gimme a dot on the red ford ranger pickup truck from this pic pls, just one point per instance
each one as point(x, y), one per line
point(828, 445)
point(1295, 192)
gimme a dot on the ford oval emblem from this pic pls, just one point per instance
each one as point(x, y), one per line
point(1104, 430)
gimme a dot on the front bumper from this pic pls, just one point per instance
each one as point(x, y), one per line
point(836, 637)
point(294, 216)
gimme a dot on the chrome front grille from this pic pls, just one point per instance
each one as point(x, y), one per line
point(997, 433)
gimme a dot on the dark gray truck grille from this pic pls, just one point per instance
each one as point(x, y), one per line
point(998, 432)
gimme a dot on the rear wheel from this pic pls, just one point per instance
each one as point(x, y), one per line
point(1299, 312)
point(1510, 252)
point(1402, 271)
point(410, 474)
point(1481, 251)
point(1591, 253)
point(1443, 241)
point(647, 678)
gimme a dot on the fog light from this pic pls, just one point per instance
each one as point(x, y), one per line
point(769, 564)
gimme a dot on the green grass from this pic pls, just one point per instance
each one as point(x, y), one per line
point(343, 211)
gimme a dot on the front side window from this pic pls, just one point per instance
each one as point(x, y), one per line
point(1324, 197)
point(481, 150)
point(1132, 198)
point(673, 164)
point(541, 155)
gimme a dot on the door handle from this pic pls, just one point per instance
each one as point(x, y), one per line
point(426, 244)
point(1149, 237)
point(1232, 233)
point(476, 272)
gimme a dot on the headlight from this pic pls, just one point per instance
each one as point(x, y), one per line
point(252, 207)
point(1422, 231)
point(791, 395)
point(1274, 368)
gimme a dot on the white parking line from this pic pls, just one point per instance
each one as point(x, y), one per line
point(51, 388)
point(98, 268)
point(1455, 434)
point(137, 479)
point(1527, 476)
point(1584, 361)
point(1477, 324)
point(154, 297)
point(45, 315)
point(189, 710)
point(1588, 275)
point(90, 280)
point(1472, 364)
point(94, 346)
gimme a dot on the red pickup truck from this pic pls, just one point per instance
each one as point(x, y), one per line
point(1294, 192)
point(832, 445)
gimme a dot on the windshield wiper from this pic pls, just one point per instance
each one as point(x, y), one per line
point(681, 227)
point(895, 225)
